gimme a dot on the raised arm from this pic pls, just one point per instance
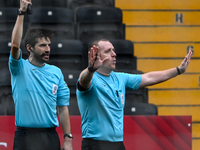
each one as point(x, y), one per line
point(18, 30)
point(85, 78)
point(155, 77)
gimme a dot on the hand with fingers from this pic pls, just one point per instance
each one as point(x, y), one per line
point(184, 65)
point(24, 4)
point(95, 61)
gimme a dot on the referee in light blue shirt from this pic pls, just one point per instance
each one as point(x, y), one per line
point(38, 89)
point(101, 96)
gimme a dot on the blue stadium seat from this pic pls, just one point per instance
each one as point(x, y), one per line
point(49, 3)
point(9, 3)
point(59, 20)
point(137, 96)
point(125, 54)
point(6, 101)
point(73, 106)
point(99, 22)
point(132, 108)
point(8, 16)
point(5, 74)
point(75, 4)
point(5, 47)
point(68, 54)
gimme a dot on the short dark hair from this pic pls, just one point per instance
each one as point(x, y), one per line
point(34, 33)
point(96, 43)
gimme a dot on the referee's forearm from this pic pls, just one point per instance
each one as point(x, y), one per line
point(85, 78)
point(64, 119)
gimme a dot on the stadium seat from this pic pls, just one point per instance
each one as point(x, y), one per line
point(99, 22)
point(9, 106)
point(71, 77)
point(5, 46)
point(122, 46)
point(132, 108)
point(73, 105)
point(8, 16)
point(49, 3)
point(74, 4)
point(59, 20)
point(68, 54)
point(6, 101)
point(137, 96)
point(5, 74)
point(9, 3)
point(99, 14)
point(125, 54)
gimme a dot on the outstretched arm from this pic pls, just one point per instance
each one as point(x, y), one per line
point(85, 78)
point(155, 77)
point(18, 30)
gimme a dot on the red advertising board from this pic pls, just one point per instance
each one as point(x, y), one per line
point(140, 132)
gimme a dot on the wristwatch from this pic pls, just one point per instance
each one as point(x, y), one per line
point(69, 135)
point(20, 12)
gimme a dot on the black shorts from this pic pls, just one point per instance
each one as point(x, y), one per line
point(36, 139)
point(90, 144)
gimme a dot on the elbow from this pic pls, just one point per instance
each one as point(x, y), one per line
point(14, 46)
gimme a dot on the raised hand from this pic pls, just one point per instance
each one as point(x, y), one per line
point(184, 65)
point(95, 61)
point(24, 4)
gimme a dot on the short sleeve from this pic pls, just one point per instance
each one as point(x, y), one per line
point(63, 93)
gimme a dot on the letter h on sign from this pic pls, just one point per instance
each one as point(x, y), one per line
point(179, 17)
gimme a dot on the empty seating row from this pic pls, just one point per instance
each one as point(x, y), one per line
point(59, 3)
point(90, 22)
point(72, 54)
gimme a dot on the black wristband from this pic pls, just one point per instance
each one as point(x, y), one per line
point(69, 135)
point(178, 70)
point(20, 12)
point(91, 69)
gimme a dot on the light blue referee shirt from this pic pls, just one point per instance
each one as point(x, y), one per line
point(36, 92)
point(101, 106)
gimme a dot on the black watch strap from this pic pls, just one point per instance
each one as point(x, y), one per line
point(69, 135)
point(20, 12)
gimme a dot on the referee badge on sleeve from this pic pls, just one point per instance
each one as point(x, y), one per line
point(54, 89)
point(122, 98)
